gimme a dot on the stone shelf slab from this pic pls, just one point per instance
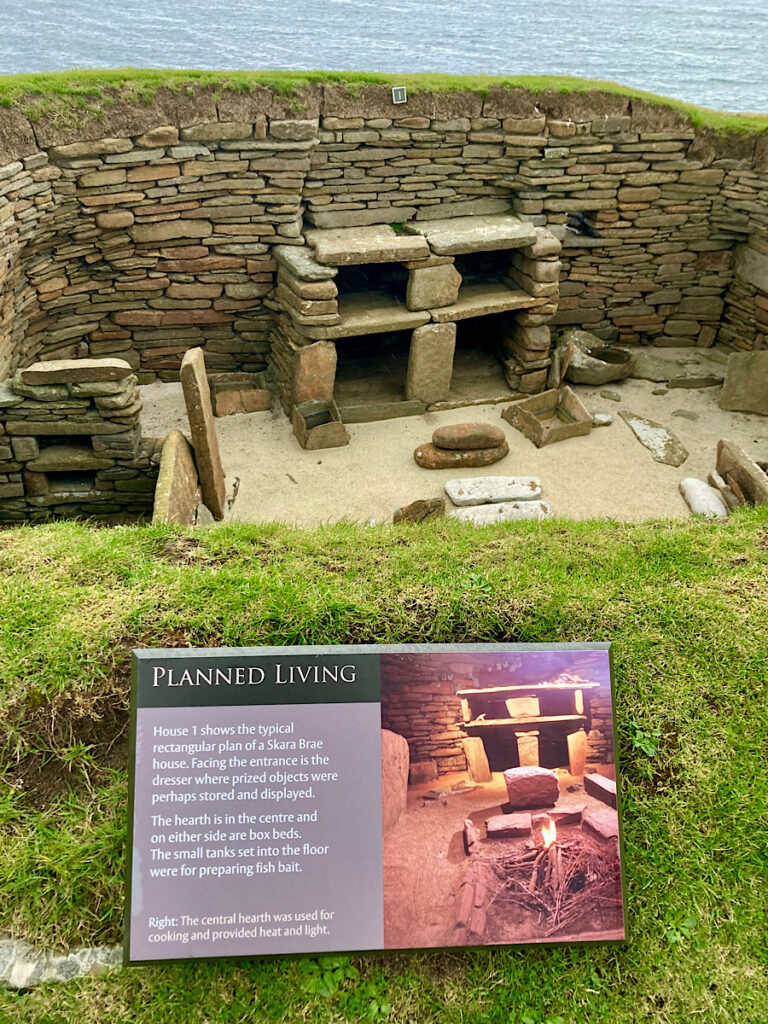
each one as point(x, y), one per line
point(474, 234)
point(300, 261)
point(484, 299)
point(484, 490)
point(375, 244)
point(369, 313)
point(62, 457)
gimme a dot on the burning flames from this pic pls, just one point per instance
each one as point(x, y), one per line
point(549, 834)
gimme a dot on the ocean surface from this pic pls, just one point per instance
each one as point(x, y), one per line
point(711, 53)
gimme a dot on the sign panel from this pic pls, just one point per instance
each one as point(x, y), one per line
point(309, 800)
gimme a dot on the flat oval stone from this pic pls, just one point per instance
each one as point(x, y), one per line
point(429, 456)
point(467, 437)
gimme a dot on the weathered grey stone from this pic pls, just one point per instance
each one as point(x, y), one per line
point(429, 287)
point(726, 493)
point(201, 422)
point(661, 443)
point(602, 419)
point(502, 512)
point(177, 494)
point(474, 234)
point(22, 966)
point(742, 473)
point(592, 361)
point(368, 313)
point(395, 760)
point(430, 362)
point(69, 371)
point(300, 261)
point(508, 826)
point(751, 266)
point(429, 456)
point(702, 499)
point(746, 382)
point(692, 381)
point(8, 397)
point(484, 490)
point(612, 396)
point(375, 244)
point(531, 787)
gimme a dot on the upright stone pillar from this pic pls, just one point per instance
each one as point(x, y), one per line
point(577, 752)
point(314, 372)
point(430, 364)
point(528, 748)
point(477, 759)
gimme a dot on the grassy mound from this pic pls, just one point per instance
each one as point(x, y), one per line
point(686, 604)
point(89, 90)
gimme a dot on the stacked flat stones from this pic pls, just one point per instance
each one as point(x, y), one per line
point(72, 444)
point(310, 314)
point(463, 445)
point(485, 500)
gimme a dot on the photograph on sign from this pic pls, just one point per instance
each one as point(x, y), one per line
point(329, 799)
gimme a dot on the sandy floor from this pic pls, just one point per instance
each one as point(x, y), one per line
point(607, 474)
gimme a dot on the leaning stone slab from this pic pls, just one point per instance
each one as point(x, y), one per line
point(376, 244)
point(477, 759)
point(702, 499)
point(300, 261)
point(661, 443)
point(508, 826)
point(75, 371)
point(738, 470)
point(197, 399)
point(177, 493)
point(474, 234)
point(746, 383)
point(467, 436)
point(502, 512)
point(429, 456)
point(530, 788)
point(484, 490)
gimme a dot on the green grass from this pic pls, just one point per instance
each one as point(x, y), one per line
point(686, 605)
point(85, 92)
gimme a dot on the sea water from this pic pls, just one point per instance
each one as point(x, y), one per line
point(705, 52)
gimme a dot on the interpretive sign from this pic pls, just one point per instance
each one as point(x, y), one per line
point(308, 800)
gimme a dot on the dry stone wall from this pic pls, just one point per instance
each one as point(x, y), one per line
point(158, 227)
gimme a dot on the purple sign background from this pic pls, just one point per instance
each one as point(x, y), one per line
point(243, 841)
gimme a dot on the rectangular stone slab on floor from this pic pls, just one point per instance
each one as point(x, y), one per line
point(508, 826)
point(484, 490)
point(601, 788)
point(376, 244)
point(502, 512)
point(474, 234)
point(197, 399)
point(660, 442)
